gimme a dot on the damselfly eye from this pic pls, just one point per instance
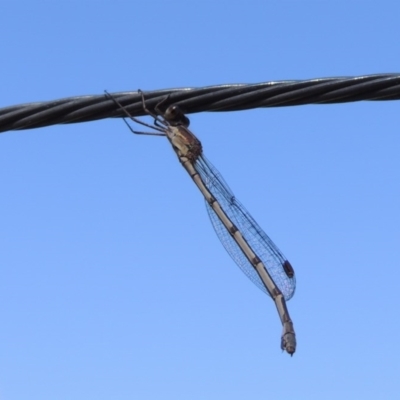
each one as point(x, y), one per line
point(174, 110)
point(175, 116)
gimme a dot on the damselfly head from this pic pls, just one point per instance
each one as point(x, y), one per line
point(175, 116)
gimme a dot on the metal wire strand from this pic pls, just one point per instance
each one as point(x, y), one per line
point(212, 98)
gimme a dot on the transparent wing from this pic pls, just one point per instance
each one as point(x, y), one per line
point(274, 261)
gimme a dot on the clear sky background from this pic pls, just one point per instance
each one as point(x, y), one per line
point(113, 284)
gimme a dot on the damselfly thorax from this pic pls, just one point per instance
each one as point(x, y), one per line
point(184, 142)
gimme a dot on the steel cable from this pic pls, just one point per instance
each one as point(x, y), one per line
point(211, 98)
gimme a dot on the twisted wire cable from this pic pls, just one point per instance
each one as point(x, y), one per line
point(211, 98)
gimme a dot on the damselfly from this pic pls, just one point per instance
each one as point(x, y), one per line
point(248, 245)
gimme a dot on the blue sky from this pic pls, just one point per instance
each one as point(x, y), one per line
point(113, 283)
